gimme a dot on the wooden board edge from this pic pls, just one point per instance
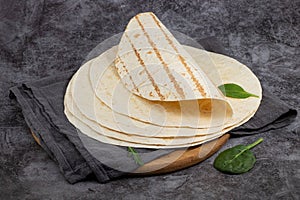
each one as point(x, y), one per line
point(185, 158)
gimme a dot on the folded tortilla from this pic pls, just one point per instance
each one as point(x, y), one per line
point(152, 64)
point(188, 113)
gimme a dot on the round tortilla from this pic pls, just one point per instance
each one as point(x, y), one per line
point(87, 130)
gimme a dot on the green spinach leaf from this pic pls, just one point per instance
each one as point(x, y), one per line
point(236, 160)
point(235, 91)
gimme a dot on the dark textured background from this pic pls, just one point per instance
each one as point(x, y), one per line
point(40, 38)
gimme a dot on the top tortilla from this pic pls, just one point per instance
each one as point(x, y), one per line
point(152, 64)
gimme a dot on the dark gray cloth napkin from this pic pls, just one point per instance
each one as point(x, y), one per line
point(42, 106)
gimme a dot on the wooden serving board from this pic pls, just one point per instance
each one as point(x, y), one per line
point(178, 159)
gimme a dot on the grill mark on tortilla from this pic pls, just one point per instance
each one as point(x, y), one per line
point(137, 54)
point(179, 90)
point(182, 60)
point(198, 85)
point(126, 70)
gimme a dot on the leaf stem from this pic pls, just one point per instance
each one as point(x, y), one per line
point(136, 156)
point(247, 148)
point(255, 143)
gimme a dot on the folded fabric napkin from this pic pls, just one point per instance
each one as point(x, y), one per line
point(42, 106)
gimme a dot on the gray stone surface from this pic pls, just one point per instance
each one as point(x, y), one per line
point(39, 38)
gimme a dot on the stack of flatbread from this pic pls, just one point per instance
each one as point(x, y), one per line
point(152, 92)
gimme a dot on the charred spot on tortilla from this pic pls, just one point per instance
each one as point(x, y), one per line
point(136, 35)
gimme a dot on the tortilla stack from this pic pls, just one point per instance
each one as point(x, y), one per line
point(152, 92)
